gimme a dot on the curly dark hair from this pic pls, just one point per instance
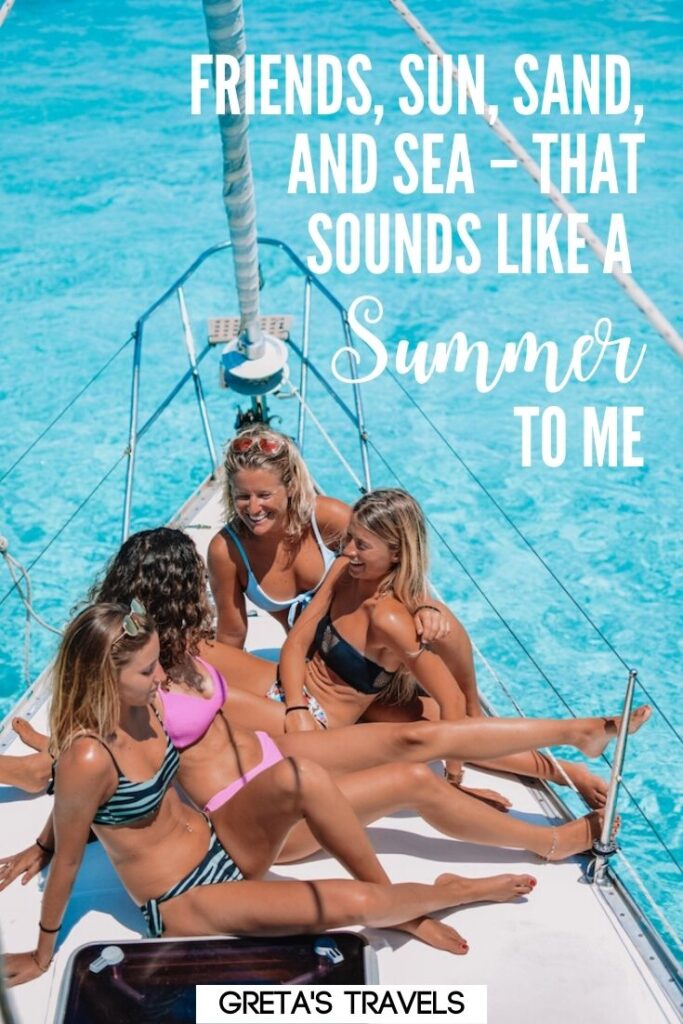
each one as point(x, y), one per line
point(163, 569)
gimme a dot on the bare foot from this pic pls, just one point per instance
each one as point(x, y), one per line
point(574, 837)
point(488, 796)
point(592, 788)
point(577, 836)
point(436, 934)
point(495, 888)
point(30, 773)
point(601, 731)
point(30, 736)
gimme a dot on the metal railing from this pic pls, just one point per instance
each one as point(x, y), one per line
point(355, 416)
point(135, 433)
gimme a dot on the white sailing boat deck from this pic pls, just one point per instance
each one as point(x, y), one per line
point(561, 955)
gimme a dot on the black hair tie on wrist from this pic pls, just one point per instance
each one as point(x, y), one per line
point(427, 607)
point(44, 848)
point(298, 707)
point(48, 931)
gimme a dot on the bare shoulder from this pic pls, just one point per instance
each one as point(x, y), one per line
point(226, 568)
point(219, 550)
point(87, 762)
point(332, 516)
point(392, 619)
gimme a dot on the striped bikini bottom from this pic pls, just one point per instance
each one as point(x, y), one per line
point(216, 866)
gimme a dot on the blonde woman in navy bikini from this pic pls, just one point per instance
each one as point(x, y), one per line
point(280, 541)
point(277, 549)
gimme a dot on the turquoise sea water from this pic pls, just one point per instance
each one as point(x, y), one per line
point(109, 189)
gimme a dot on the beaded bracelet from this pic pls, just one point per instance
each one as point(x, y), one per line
point(297, 707)
point(44, 848)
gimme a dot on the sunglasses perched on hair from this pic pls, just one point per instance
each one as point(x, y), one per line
point(129, 626)
point(265, 443)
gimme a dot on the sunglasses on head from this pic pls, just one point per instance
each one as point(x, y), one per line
point(265, 443)
point(129, 627)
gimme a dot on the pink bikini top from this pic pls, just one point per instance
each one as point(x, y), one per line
point(187, 716)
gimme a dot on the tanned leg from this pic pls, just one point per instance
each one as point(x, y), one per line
point(376, 792)
point(254, 824)
point(455, 650)
point(284, 908)
point(365, 746)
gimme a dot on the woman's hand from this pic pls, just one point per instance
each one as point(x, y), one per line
point(431, 624)
point(300, 721)
point(27, 863)
point(23, 967)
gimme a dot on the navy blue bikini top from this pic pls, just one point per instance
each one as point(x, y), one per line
point(354, 668)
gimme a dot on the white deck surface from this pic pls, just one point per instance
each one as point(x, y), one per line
point(557, 957)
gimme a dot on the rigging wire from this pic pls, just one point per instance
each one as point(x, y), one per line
point(66, 408)
point(659, 913)
point(528, 654)
point(508, 519)
point(490, 115)
point(347, 466)
point(67, 522)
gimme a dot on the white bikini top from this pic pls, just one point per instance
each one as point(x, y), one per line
point(294, 605)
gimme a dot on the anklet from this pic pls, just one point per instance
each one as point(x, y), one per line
point(553, 847)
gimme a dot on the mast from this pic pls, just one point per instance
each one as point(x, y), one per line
point(255, 361)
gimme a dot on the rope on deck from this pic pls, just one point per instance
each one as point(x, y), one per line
point(20, 575)
point(639, 297)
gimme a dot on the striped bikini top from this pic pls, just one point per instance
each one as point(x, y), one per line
point(133, 801)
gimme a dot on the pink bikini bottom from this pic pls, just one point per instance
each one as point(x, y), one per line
point(271, 756)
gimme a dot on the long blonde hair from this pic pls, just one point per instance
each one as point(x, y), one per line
point(396, 518)
point(286, 462)
point(85, 696)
